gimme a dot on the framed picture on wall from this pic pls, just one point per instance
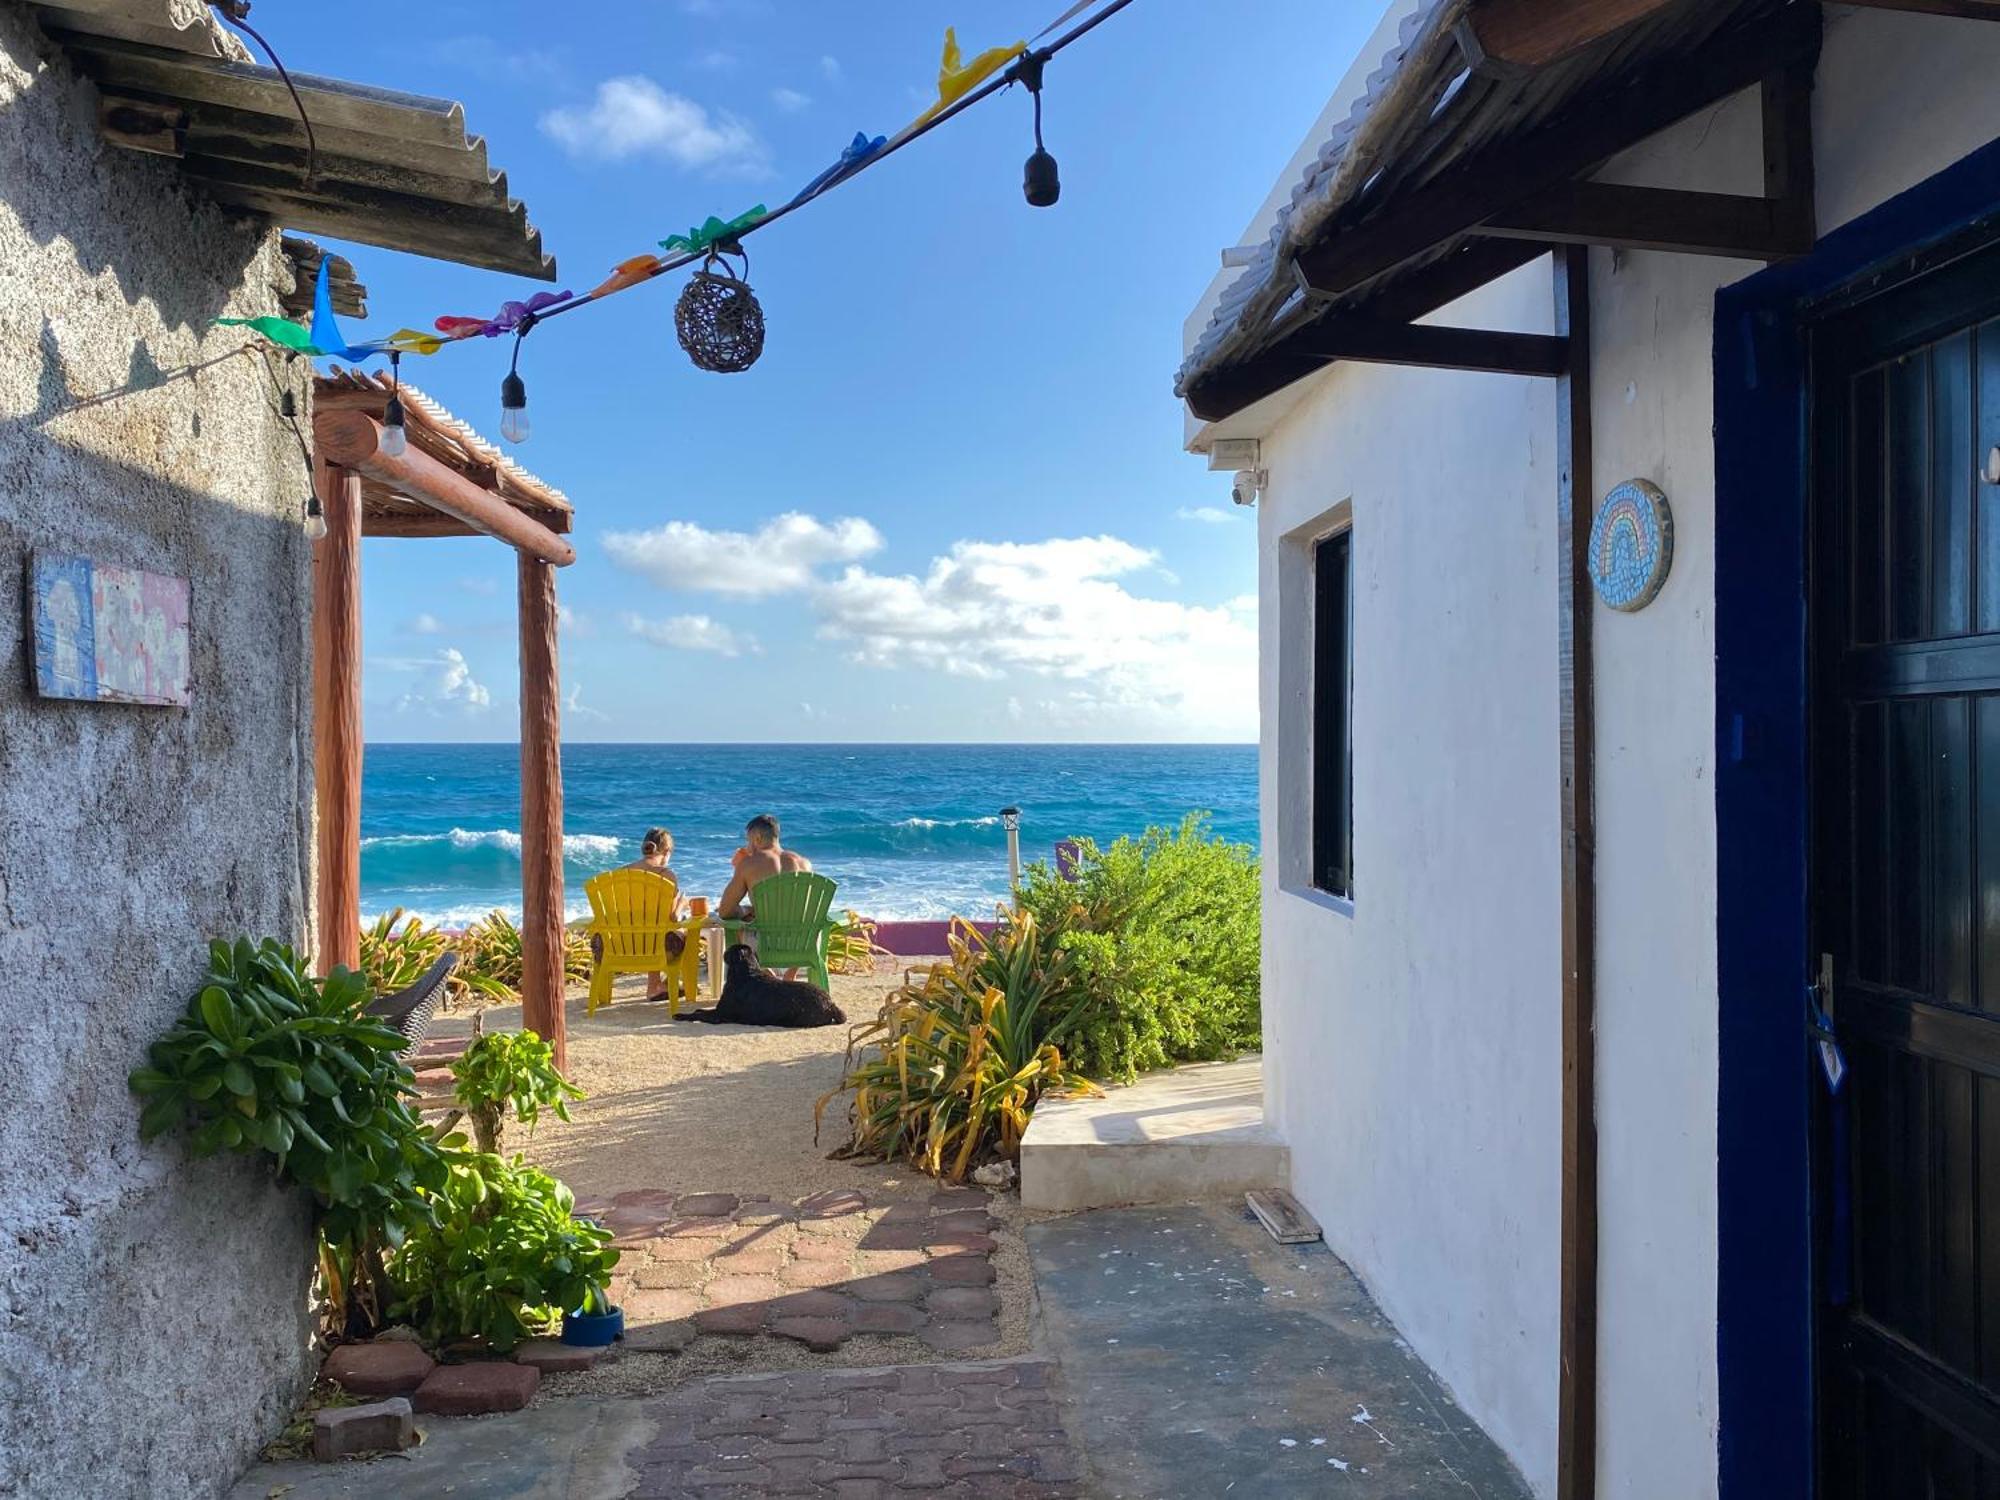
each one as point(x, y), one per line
point(108, 634)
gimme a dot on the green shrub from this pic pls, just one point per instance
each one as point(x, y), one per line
point(850, 947)
point(504, 1260)
point(503, 1070)
point(1162, 932)
point(268, 1059)
point(491, 958)
point(957, 1060)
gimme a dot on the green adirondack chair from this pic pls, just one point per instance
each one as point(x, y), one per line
point(791, 923)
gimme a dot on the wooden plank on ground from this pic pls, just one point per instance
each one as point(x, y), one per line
point(1283, 1215)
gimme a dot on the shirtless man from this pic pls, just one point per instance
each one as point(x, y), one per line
point(765, 857)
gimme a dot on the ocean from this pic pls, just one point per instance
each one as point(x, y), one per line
point(910, 832)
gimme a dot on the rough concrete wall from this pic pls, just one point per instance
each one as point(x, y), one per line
point(153, 1325)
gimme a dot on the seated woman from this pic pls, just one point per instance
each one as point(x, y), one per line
point(656, 853)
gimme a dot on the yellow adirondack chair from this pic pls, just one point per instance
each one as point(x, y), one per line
point(632, 911)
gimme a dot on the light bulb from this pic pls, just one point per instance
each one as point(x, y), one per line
point(1039, 180)
point(315, 520)
point(395, 440)
point(514, 409)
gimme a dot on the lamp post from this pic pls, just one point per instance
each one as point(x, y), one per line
point(1010, 819)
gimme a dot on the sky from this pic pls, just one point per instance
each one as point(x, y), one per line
point(950, 502)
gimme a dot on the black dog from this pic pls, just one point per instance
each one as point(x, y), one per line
point(753, 996)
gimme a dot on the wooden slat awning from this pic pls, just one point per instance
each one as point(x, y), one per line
point(386, 509)
point(1454, 168)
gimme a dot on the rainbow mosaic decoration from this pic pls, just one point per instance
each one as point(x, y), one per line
point(1631, 545)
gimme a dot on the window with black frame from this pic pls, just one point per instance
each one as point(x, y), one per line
point(1332, 731)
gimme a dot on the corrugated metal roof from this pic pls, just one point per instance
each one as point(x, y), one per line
point(1423, 113)
point(392, 169)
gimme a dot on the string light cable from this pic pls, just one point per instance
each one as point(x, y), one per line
point(237, 13)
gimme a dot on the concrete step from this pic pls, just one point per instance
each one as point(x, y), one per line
point(1173, 1137)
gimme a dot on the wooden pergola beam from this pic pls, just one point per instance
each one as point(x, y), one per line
point(1515, 35)
point(337, 744)
point(543, 950)
point(1374, 341)
point(353, 440)
point(1646, 218)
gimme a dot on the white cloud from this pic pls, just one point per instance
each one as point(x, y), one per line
point(718, 60)
point(634, 116)
point(425, 624)
point(829, 67)
point(574, 707)
point(442, 681)
point(1213, 515)
point(791, 101)
point(574, 622)
point(691, 633)
point(1055, 609)
point(779, 557)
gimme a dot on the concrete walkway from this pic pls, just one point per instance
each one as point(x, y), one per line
point(1202, 1359)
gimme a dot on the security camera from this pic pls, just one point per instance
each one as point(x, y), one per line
point(1248, 486)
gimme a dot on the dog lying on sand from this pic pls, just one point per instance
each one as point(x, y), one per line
point(754, 996)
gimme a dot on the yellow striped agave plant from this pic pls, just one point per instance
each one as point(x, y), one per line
point(949, 1073)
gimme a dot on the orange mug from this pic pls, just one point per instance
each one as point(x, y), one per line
point(698, 907)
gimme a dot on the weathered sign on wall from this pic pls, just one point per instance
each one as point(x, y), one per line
point(106, 633)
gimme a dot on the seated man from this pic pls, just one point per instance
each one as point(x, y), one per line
point(763, 858)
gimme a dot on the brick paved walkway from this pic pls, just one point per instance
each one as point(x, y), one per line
point(819, 1272)
point(971, 1431)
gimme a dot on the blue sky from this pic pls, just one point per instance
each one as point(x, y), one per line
point(950, 502)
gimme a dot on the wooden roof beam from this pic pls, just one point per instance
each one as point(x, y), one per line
point(1376, 341)
point(1507, 36)
point(353, 440)
point(1965, 10)
point(1644, 218)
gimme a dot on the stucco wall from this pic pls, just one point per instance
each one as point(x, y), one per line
point(152, 1310)
point(1412, 1045)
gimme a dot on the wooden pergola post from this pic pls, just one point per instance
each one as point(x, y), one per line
point(542, 936)
point(336, 632)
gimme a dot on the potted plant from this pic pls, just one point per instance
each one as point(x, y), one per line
point(596, 1323)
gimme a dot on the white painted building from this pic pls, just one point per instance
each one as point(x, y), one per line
point(1814, 413)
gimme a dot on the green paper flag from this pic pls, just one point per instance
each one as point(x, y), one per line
point(713, 232)
point(281, 331)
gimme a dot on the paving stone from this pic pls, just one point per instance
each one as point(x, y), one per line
point(741, 1291)
point(823, 1247)
point(912, 1236)
point(680, 1248)
point(684, 1226)
point(742, 1318)
point(822, 1334)
point(957, 1338)
point(900, 1286)
point(379, 1427)
point(815, 1273)
point(659, 1338)
point(962, 1270)
point(887, 1317)
point(386, 1367)
point(656, 1274)
point(958, 1198)
point(974, 1219)
point(553, 1355)
point(905, 1212)
point(831, 1204)
point(959, 1302)
point(662, 1305)
point(708, 1204)
point(815, 1304)
point(740, 1261)
point(658, 1199)
point(881, 1262)
point(963, 1239)
point(838, 1226)
point(470, 1390)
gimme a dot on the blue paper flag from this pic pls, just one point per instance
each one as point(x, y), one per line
point(859, 151)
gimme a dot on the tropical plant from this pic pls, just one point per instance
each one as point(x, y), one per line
point(396, 951)
point(1162, 933)
point(956, 1061)
point(268, 1059)
point(506, 1257)
point(492, 958)
point(503, 1070)
point(850, 947)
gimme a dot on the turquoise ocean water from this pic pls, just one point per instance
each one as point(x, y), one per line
point(909, 831)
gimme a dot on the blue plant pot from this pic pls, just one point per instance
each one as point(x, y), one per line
point(593, 1330)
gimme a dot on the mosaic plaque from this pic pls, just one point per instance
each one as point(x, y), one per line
point(1631, 545)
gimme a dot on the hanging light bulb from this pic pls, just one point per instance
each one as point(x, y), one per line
point(395, 437)
point(315, 520)
point(513, 409)
point(1040, 181)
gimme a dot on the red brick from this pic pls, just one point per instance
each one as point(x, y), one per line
point(823, 1334)
point(387, 1367)
point(881, 1262)
point(962, 1270)
point(380, 1427)
point(552, 1355)
point(897, 1237)
point(740, 1319)
point(656, 1275)
point(707, 1204)
point(887, 1317)
point(812, 1305)
point(814, 1273)
point(959, 1198)
point(470, 1390)
point(897, 1287)
point(963, 1239)
point(960, 1302)
point(680, 1248)
point(822, 1247)
point(662, 1305)
point(831, 1204)
point(741, 1291)
point(657, 1200)
point(732, 1260)
point(977, 1221)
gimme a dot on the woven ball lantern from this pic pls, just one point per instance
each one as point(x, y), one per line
point(718, 319)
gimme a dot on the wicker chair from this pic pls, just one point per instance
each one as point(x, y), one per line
point(412, 1010)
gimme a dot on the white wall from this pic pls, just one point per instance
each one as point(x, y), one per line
point(1412, 1045)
